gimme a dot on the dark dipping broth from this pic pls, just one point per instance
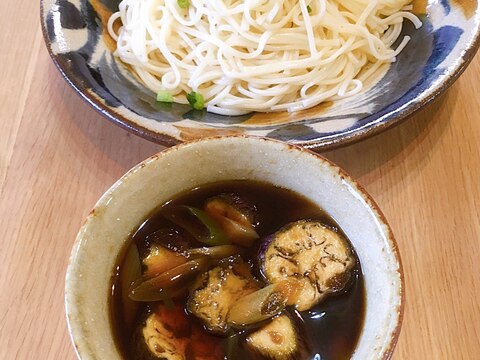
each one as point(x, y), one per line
point(328, 331)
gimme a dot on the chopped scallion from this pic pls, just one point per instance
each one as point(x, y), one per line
point(184, 4)
point(164, 97)
point(309, 9)
point(196, 100)
point(204, 230)
point(232, 343)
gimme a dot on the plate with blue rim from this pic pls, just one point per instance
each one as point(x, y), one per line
point(77, 40)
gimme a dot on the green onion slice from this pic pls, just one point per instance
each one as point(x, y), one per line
point(184, 4)
point(198, 224)
point(196, 100)
point(164, 97)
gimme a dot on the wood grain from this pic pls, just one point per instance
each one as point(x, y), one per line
point(57, 156)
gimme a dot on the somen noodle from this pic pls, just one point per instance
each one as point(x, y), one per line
point(260, 55)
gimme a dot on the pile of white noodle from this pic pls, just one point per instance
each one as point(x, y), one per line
point(260, 55)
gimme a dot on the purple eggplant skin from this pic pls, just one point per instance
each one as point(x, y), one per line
point(169, 238)
point(242, 204)
point(262, 251)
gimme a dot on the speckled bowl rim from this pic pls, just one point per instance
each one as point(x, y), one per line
point(369, 130)
point(369, 201)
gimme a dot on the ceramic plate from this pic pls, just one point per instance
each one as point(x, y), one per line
point(439, 51)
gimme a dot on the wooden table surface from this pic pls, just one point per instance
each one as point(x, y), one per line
point(57, 156)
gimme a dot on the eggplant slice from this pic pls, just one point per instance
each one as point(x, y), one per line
point(278, 340)
point(236, 216)
point(311, 253)
point(161, 259)
point(168, 334)
point(235, 207)
point(161, 341)
point(216, 291)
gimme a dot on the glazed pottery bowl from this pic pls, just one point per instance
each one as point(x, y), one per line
point(439, 51)
point(131, 199)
